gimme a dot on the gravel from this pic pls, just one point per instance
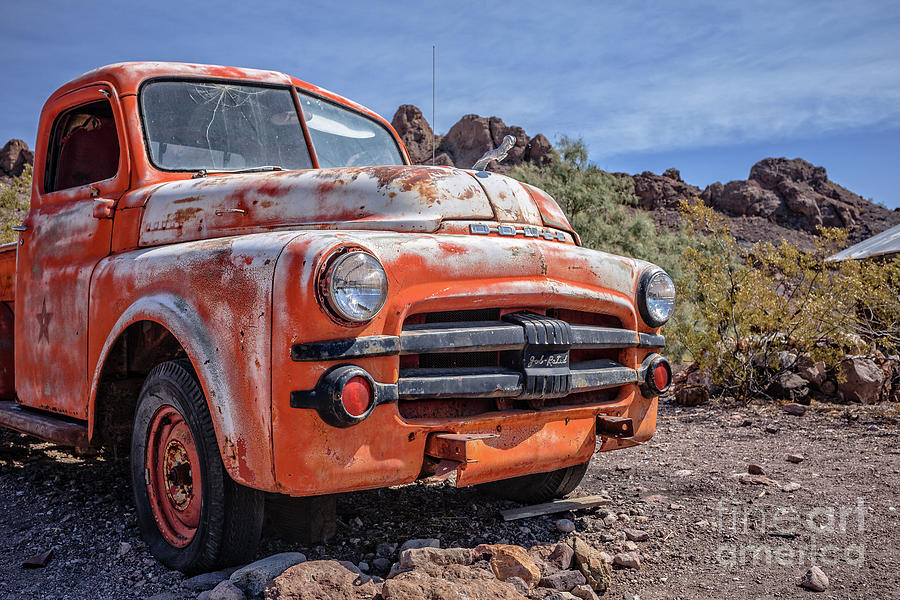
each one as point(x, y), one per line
point(79, 508)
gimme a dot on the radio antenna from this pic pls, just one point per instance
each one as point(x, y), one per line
point(433, 123)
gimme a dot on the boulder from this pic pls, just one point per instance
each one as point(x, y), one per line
point(13, 158)
point(510, 561)
point(205, 581)
point(225, 590)
point(424, 557)
point(254, 577)
point(789, 386)
point(691, 395)
point(539, 151)
point(413, 128)
point(862, 380)
point(561, 557)
point(812, 371)
point(420, 543)
point(320, 580)
point(451, 583)
point(662, 191)
point(590, 563)
point(563, 581)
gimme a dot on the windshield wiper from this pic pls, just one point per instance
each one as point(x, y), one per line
point(205, 172)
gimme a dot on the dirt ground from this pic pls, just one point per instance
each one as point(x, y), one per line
point(710, 534)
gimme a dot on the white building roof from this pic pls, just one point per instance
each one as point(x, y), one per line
point(886, 242)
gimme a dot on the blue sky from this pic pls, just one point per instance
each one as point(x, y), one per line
point(709, 88)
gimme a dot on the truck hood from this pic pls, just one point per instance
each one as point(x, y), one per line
point(391, 198)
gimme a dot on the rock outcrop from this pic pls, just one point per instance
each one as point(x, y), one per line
point(13, 158)
point(782, 199)
point(467, 140)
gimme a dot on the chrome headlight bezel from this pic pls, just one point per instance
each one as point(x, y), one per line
point(332, 292)
point(648, 281)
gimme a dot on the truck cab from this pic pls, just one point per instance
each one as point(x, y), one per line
point(240, 278)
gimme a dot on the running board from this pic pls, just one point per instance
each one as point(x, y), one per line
point(42, 425)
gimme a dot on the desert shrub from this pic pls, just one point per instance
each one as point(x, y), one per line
point(601, 207)
point(776, 299)
point(14, 201)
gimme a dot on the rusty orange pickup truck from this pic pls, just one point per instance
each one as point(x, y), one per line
point(240, 278)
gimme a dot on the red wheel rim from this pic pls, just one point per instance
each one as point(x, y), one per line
point(172, 475)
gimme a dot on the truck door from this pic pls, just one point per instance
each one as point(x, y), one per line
point(81, 170)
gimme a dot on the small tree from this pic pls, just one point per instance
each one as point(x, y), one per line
point(753, 306)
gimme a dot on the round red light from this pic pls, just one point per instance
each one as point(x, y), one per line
point(661, 376)
point(356, 397)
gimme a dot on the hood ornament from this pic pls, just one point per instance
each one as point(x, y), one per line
point(498, 153)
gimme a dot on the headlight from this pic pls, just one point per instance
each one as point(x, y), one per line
point(656, 297)
point(355, 286)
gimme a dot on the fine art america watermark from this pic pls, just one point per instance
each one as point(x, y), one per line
point(822, 535)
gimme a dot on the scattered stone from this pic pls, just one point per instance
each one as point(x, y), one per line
point(563, 580)
point(254, 577)
point(771, 429)
point(815, 580)
point(629, 546)
point(226, 590)
point(510, 561)
point(683, 473)
point(590, 563)
point(320, 579)
point(584, 592)
point(792, 408)
point(363, 566)
point(561, 557)
point(381, 564)
point(790, 487)
point(794, 458)
point(636, 535)
point(755, 469)
point(166, 596)
point(206, 581)
point(605, 557)
point(420, 543)
point(749, 479)
point(386, 550)
point(124, 548)
point(628, 560)
point(39, 560)
point(565, 525)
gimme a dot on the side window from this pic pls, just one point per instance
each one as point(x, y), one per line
point(84, 147)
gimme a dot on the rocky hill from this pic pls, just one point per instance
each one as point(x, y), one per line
point(781, 199)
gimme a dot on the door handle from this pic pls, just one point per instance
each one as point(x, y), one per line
point(19, 227)
point(104, 208)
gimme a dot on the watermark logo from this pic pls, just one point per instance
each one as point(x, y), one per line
point(841, 526)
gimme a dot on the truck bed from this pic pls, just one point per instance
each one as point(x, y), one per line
point(8, 272)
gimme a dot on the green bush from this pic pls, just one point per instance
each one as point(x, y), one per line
point(602, 208)
point(772, 300)
point(14, 201)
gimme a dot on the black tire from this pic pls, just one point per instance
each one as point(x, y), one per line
point(539, 487)
point(230, 515)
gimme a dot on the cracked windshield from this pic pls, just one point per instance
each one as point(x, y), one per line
point(192, 126)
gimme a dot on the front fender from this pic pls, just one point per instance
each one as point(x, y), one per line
point(215, 298)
